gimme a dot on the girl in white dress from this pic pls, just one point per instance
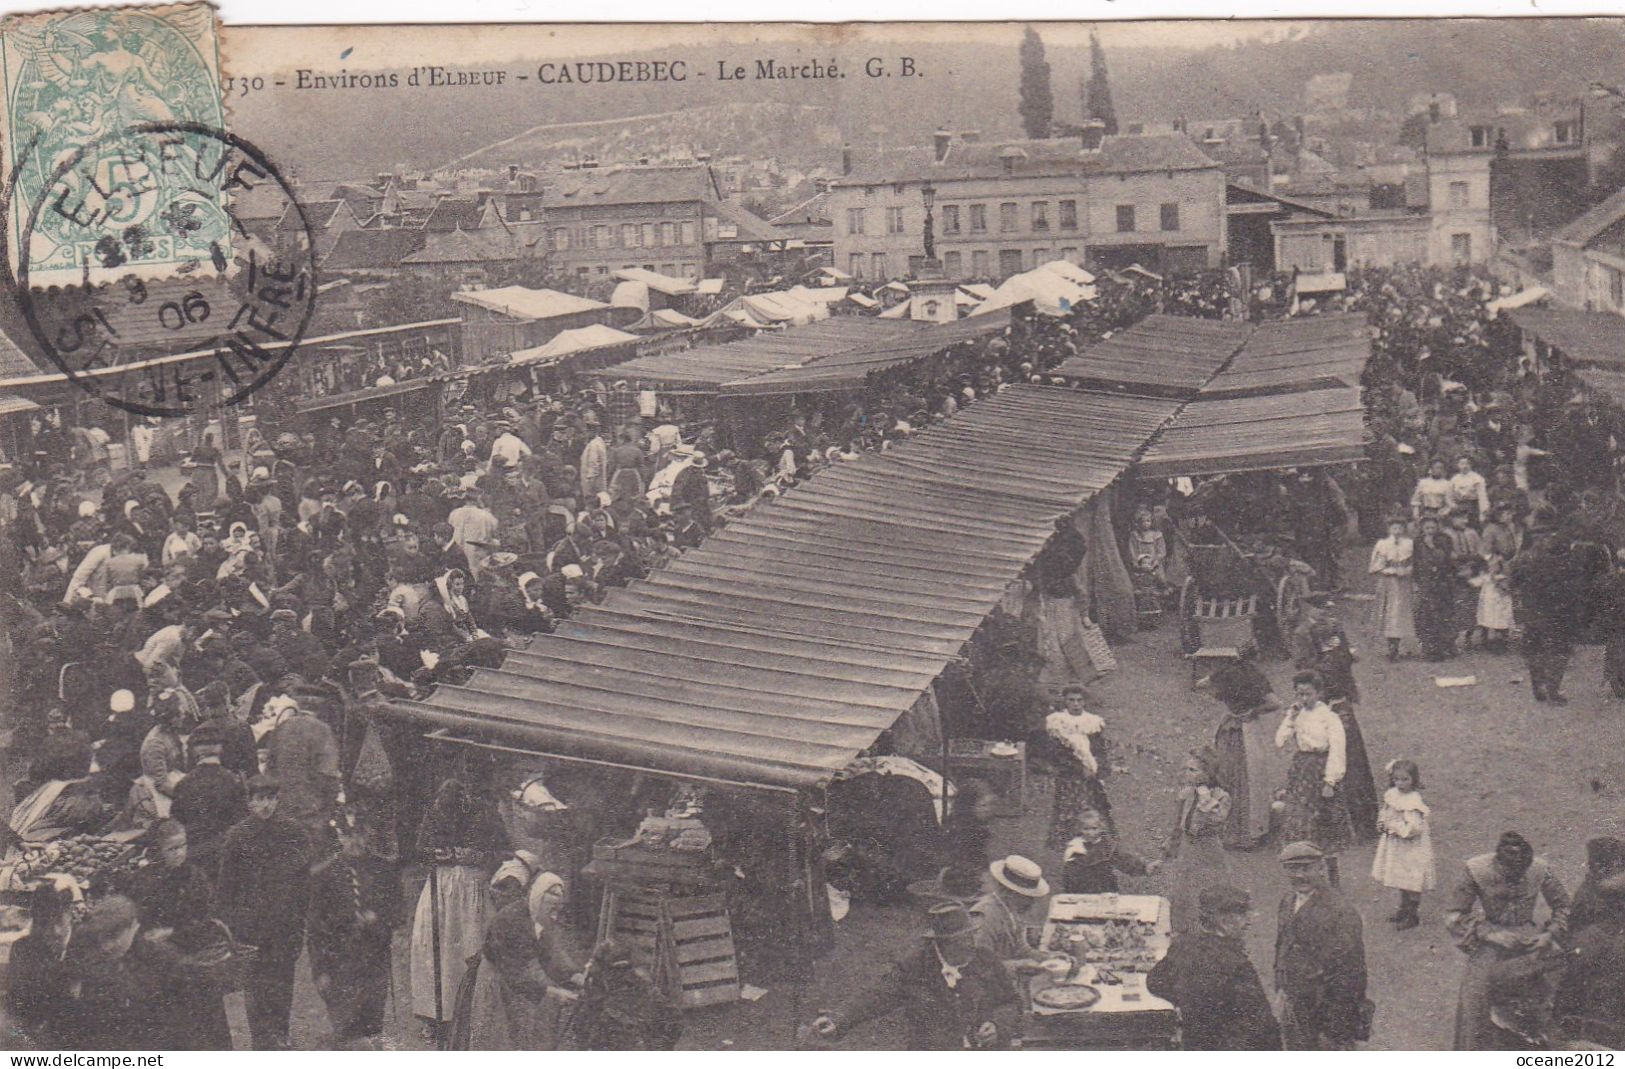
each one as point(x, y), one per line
point(1404, 858)
point(1494, 601)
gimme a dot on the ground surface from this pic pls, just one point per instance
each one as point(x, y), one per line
point(1491, 760)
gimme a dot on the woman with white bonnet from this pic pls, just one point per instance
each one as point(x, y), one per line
point(517, 995)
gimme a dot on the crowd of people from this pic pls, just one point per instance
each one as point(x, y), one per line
point(201, 663)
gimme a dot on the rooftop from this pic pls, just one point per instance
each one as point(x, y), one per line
point(630, 185)
point(1118, 154)
point(528, 304)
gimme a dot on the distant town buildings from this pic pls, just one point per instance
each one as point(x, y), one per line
point(1003, 207)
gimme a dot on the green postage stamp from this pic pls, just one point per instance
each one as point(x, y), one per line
point(88, 198)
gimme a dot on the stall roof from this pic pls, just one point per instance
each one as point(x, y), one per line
point(362, 396)
point(569, 342)
point(1288, 355)
point(1233, 434)
point(784, 645)
point(1585, 338)
point(521, 302)
point(1610, 381)
point(849, 369)
point(11, 404)
point(1161, 354)
point(708, 367)
point(666, 284)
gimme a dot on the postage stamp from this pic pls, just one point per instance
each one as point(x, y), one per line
point(78, 79)
point(202, 337)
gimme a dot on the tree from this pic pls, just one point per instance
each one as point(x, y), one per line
point(1097, 95)
point(1037, 103)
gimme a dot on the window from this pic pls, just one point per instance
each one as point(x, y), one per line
point(978, 263)
point(1009, 217)
point(1009, 262)
point(978, 217)
point(581, 272)
point(854, 220)
point(1563, 133)
point(668, 233)
point(1616, 288)
point(629, 235)
point(950, 218)
point(601, 269)
point(854, 265)
point(1170, 217)
point(1125, 218)
point(1479, 136)
point(1461, 248)
point(1040, 257)
point(688, 232)
point(1458, 194)
point(1069, 255)
point(1069, 215)
point(879, 265)
point(647, 230)
point(669, 270)
point(894, 220)
point(561, 238)
point(952, 262)
point(600, 237)
point(1040, 215)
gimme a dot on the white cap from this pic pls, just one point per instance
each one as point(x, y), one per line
point(87, 509)
point(122, 701)
point(572, 571)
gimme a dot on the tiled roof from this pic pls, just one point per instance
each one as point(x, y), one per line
point(320, 214)
point(376, 249)
point(631, 185)
point(1590, 226)
point(453, 212)
point(467, 246)
point(1118, 154)
point(752, 227)
point(815, 209)
point(13, 361)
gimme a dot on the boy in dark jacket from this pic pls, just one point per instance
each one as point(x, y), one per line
point(355, 901)
point(261, 894)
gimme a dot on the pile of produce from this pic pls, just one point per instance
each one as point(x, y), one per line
point(93, 863)
point(1115, 944)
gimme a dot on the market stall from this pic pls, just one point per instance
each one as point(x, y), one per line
point(1092, 995)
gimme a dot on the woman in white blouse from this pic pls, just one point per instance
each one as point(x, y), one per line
point(1315, 810)
point(1391, 563)
point(1432, 493)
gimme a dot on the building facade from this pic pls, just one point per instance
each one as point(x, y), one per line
point(651, 217)
point(1588, 259)
point(1318, 244)
point(1463, 225)
point(1000, 208)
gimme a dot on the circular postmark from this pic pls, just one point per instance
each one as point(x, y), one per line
point(182, 302)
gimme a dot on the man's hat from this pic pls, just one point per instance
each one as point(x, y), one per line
point(1020, 875)
point(501, 560)
point(263, 784)
point(948, 920)
point(208, 733)
point(1301, 853)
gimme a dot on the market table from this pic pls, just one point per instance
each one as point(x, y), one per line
point(1113, 941)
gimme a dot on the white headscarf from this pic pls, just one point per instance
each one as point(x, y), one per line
point(456, 604)
point(543, 883)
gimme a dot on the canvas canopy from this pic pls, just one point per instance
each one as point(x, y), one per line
point(569, 342)
point(1054, 289)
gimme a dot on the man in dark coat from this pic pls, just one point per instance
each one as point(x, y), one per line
point(1547, 606)
point(1319, 958)
point(209, 799)
point(261, 894)
point(1206, 975)
point(355, 901)
point(954, 995)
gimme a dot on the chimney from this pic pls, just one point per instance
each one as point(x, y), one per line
point(940, 141)
point(1093, 133)
point(846, 159)
point(643, 161)
point(513, 172)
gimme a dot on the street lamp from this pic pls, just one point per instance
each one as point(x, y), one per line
point(928, 193)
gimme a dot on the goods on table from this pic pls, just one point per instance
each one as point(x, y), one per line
point(1070, 997)
point(1125, 944)
point(93, 863)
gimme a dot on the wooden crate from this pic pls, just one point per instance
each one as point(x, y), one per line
point(701, 948)
point(1007, 775)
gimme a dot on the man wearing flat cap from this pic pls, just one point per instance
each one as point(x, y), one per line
point(1546, 592)
point(1207, 976)
point(210, 798)
point(954, 994)
point(1320, 970)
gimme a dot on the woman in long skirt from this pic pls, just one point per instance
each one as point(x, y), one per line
point(462, 839)
point(1195, 849)
point(1393, 613)
point(517, 999)
point(1315, 809)
point(1248, 769)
